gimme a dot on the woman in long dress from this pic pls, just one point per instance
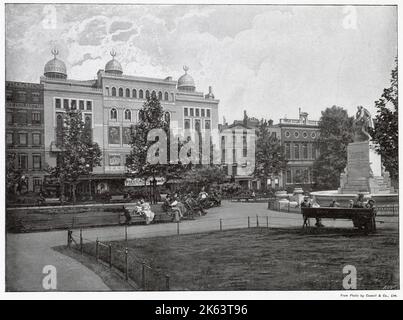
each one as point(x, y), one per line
point(146, 211)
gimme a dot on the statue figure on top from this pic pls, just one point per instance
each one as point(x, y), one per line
point(362, 122)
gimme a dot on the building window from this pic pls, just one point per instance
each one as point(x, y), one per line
point(89, 105)
point(147, 94)
point(313, 135)
point(10, 117)
point(59, 129)
point(22, 117)
point(35, 97)
point(73, 104)
point(21, 96)
point(244, 146)
point(23, 139)
point(153, 94)
point(36, 139)
point(288, 176)
point(36, 117)
point(81, 104)
point(197, 112)
point(9, 95)
point(203, 114)
point(207, 125)
point(166, 96)
point(287, 151)
point(37, 184)
point(36, 162)
point(107, 91)
point(141, 94)
point(66, 104)
point(186, 112)
point(305, 151)
point(128, 115)
point(127, 93)
point(167, 117)
point(298, 176)
point(191, 112)
point(9, 138)
point(159, 95)
point(114, 114)
point(134, 93)
point(304, 134)
point(296, 134)
point(23, 161)
point(113, 92)
point(287, 134)
point(114, 135)
point(120, 92)
point(187, 123)
point(58, 103)
point(296, 151)
point(197, 125)
point(208, 113)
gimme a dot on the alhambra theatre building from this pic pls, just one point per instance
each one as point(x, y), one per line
point(110, 105)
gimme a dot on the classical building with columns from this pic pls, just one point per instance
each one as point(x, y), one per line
point(110, 105)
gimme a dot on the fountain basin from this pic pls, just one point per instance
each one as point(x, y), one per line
point(324, 198)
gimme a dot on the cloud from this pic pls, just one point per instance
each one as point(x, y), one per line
point(270, 60)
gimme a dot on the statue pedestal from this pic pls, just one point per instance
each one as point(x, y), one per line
point(364, 171)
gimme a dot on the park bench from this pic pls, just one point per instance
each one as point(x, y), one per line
point(243, 197)
point(135, 217)
point(49, 201)
point(361, 217)
point(117, 198)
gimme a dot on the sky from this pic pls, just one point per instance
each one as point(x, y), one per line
point(268, 60)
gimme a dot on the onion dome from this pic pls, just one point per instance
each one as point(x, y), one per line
point(186, 82)
point(113, 66)
point(55, 68)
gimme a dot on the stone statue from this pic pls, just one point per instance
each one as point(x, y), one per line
point(362, 122)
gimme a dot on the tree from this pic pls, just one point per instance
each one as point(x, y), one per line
point(205, 175)
point(270, 158)
point(14, 176)
point(386, 127)
point(336, 132)
point(152, 116)
point(78, 155)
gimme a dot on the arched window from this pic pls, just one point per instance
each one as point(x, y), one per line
point(147, 94)
point(140, 115)
point(153, 94)
point(127, 93)
point(166, 96)
point(114, 91)
point(141, 94)
point(120, 92)
point(134, 93)
point(128, 115)
point(114, 114)
point(167, 117)
point(159, 95)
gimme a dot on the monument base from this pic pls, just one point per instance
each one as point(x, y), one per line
point(364, 172)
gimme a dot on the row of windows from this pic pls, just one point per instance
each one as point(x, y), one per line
point(21, 138)
point(296, 134)
point(21, 117)
point(128, 116)
point(300, 151)
point(196, 112)
point(197, 124)
point(140, 94)
point(23, 96)
point(302, 175)
point(22, 159)
point(73, 104)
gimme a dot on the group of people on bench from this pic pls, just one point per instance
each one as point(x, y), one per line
point(141, 208)
point(359, 202)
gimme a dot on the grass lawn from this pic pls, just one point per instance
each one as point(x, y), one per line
point(278, 259)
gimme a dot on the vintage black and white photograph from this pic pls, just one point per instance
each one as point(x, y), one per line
point(201, 147)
